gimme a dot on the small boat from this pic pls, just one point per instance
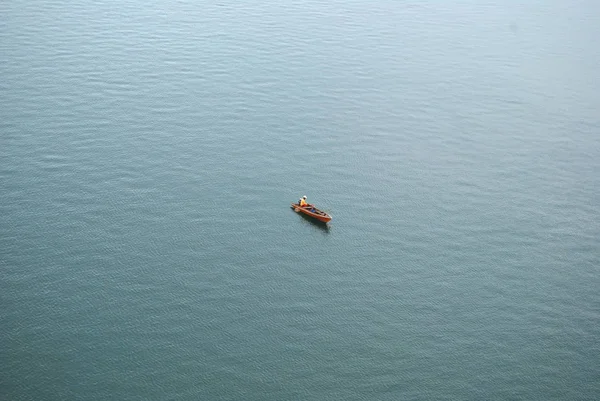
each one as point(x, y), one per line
point(312, 211)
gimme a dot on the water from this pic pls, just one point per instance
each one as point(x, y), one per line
point(149, 152)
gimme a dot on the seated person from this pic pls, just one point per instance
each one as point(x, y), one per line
point(302, 202)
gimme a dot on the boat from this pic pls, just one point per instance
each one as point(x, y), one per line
point(312, 211)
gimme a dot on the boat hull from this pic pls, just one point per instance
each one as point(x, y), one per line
point(308, 210)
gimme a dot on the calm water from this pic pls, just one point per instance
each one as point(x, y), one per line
point(149, 151)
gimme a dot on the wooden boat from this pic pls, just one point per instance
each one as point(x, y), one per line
point(312, 211)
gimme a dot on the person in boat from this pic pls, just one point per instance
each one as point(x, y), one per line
point(302, 202)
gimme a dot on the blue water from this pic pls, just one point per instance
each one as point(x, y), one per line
point(149, 151)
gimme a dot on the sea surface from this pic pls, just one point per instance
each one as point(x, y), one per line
point(150, 150)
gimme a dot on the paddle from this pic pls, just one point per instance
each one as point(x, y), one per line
point(298, 207)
